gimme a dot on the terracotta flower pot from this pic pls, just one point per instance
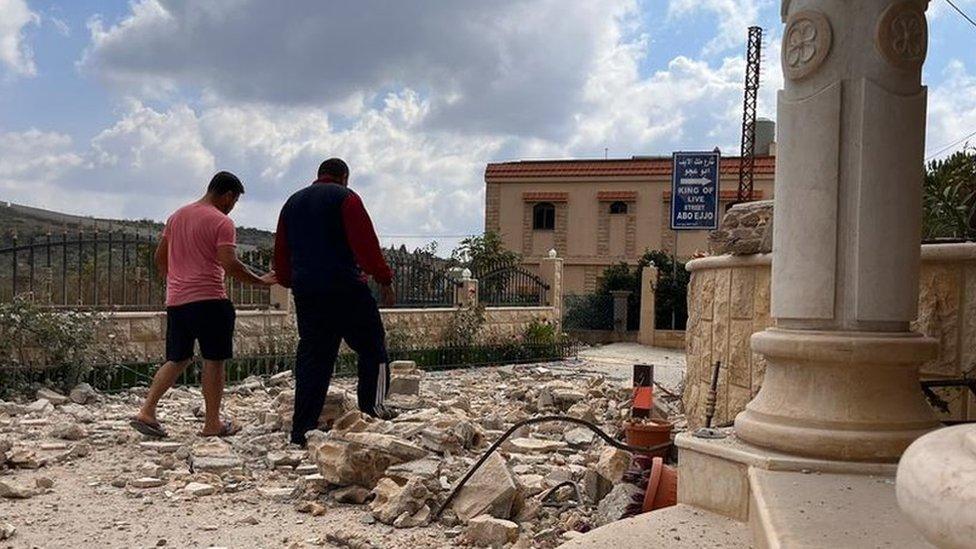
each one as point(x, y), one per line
point(649, 434)
point(662, 486)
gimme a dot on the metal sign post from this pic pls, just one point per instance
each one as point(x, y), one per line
point(694, 198)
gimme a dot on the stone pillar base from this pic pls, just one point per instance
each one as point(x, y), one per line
point(851, 396)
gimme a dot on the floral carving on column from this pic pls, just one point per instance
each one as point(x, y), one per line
point(903, 34)
point(806, 43)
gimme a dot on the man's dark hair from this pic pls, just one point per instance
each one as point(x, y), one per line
point(334, 167)
point(225, 182)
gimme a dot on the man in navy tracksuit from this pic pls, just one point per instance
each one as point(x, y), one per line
point(324, 248)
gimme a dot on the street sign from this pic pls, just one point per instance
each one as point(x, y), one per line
point(694, 191)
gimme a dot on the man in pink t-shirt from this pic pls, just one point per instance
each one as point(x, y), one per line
point(196, 250)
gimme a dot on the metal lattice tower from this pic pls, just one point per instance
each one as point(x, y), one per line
point(748, 162)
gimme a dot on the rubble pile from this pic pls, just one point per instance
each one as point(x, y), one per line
point(396, 473)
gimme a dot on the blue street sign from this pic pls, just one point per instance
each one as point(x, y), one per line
point(694, 190)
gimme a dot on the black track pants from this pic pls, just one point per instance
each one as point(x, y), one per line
point(324, 320)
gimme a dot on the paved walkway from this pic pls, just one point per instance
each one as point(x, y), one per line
point(617, 361)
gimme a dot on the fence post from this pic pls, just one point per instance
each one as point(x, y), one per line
point(647, 318)
point(280, 298)
point(620, 310)
point(551, 271)
point(467, 293)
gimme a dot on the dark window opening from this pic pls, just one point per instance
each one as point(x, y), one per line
point(543, 217)
point(618, 208)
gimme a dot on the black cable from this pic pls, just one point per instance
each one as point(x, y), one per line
point(949, 146)
point(962, 13)
point(543, 419)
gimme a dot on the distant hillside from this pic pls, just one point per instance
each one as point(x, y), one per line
point(26, 220)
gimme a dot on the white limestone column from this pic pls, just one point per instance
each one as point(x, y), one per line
point(842, 374)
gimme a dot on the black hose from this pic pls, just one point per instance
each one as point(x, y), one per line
point(543, 419)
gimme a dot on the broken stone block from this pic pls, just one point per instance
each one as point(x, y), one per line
point(51, 396)
point(487, 531)
point(44, 483)
point(393, 501)
point(10, 490)
point(358, 458)
point(420, 518)
point(451, 433)
point(147, 482)
point(217, 464)
point(313, 508)
point(281, 378)
point(160, 446)
point(491, 490)
point(199, 489)
point(405, 384)
point(426, 470)
point(613, 463)
point(614, 505)
point(7, 531)
point(336, 404)
point(279, 494)
point(24, 459)
point(315, 482)
point(68, 431)
point(41, 406)
point(583, 411)
point(527, 445)
point(356, 495)
point(595, 486)
point(580, 436)
point(284, 459)
point(82, 393)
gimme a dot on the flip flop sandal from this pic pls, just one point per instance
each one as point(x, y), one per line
point(227, 429)
point(149, 429)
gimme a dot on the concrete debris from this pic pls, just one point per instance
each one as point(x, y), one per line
point(82, 393)
point(356, 495)
point(69, 431)
point(488, 531)
point(9, 490)
point(491, 490)
point(199, 489)
point(51, 396)
point(7, 531)
point(613, 506)
point(406, 504)
point(375, 477)
point(613, 463)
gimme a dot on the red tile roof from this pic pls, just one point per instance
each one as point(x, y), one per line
point(632, 167)
point(610, 196)
point(545, 197)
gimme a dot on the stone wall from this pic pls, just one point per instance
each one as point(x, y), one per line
point(728, 300)
point(141, 336)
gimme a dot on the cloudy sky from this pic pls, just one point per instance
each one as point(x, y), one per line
point(126, 108)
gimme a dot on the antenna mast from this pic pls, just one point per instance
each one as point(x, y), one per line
point(747, 163)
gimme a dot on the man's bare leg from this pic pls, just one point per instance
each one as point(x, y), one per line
point(165, 377)
point(212, 385)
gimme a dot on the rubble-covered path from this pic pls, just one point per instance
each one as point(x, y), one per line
point(73, 473)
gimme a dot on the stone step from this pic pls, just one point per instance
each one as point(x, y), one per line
point(796, 509)
point(677, 527)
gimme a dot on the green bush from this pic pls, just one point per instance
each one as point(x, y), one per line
point(949, 197)
point(58, 348)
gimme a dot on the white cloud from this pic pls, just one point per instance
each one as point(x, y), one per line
point(15, 53)
point(951, 111)
point(732, 17)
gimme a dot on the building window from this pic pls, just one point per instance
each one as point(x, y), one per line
point(543, 217)
point(618, 207)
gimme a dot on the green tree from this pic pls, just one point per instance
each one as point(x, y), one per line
point(482, 252)
point(949, 197)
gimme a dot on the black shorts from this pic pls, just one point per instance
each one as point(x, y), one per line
point(211, 322)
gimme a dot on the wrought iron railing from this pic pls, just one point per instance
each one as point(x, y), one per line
point(421, 282)
point(505, 285)
point(100, 270)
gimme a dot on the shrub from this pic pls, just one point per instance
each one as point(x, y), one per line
point(949, 197)
point(37, 343)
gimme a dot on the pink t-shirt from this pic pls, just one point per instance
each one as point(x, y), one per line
point(193, 234)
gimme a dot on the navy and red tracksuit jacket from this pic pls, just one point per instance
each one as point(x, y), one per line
point(326, 241)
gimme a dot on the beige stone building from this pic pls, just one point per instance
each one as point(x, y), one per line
point(596, 213)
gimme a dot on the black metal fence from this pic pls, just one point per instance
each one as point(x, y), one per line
point(510, 285)
point(421, 281)
point(588, 312)
point(101, 270)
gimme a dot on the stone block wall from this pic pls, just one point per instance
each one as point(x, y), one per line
point(141, 336)
point(728, 301)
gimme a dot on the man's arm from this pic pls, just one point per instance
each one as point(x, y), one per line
point(365, 245)
point(227, 257)
point(161, 257)
point(282, 253)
